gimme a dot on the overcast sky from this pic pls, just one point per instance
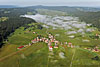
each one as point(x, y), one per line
point(94, 3)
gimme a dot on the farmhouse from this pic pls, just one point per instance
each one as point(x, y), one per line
point(50, 48)
point(56, 46)
point(34, 32)
point(69, 44)
point(34, 41)
point(20, 47)
point(46, 41)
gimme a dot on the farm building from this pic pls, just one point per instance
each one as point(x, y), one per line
point(20, 47)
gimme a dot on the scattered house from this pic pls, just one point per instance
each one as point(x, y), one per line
point(34, 41)
point(93, 50)
point(56, 41)
point(69, 44)
point(96, 50)
point(52, 40)
point(49, 44)
point(96, 47)
point(34, 32)
point(51, 37)
point(41, 40)
point(88, 49)
point(56, 46)
point(50, 48)
point(97, 36)
point(66, 43)
point(46, 41)
point(38, 39)
point(20, 47)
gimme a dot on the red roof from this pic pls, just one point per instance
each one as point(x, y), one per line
point(34, 39)
point(69, 43)
point(21, 47)
point(50, 46)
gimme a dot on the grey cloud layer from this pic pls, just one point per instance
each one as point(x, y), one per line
point(51, 2)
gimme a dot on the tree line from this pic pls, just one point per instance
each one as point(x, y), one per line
point(13, 22)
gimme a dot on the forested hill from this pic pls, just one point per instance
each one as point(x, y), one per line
point(8, 6)
point(10, 20)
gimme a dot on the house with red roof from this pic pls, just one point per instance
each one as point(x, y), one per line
point(20, 47)
point(34, 41)
point(50, 48)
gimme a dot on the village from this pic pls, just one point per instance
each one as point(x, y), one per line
point(48, 41)
point(52, 43)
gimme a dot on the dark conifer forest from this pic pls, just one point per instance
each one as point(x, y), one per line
point(13, 22)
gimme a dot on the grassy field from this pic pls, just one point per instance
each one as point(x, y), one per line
point(38, 55)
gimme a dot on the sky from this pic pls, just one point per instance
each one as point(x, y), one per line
point(93, 3)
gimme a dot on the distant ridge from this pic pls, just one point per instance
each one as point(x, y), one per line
point(8, 6)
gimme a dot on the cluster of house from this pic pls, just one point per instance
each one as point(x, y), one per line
point(70, 45)
point(48, 41)
point(95, 49)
